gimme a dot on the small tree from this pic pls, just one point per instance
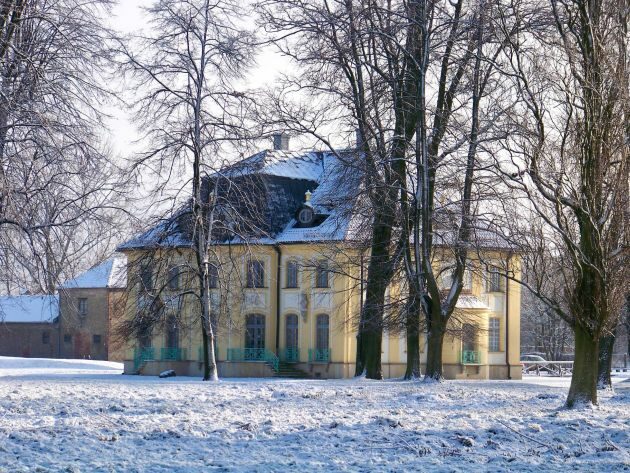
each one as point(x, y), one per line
point(186, 70)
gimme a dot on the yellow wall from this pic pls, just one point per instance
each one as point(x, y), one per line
point(341, 302)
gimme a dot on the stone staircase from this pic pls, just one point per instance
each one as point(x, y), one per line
point(289, 370)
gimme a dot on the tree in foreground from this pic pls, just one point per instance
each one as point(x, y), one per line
point(572, 163)
point(186, 69)
point(59, 188)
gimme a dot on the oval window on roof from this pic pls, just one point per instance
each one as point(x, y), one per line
point(305, 216)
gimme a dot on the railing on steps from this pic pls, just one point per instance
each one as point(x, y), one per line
point(141, 356)
point(291, 355)
point(319, 355)
point(470, 357)
point(254, 354)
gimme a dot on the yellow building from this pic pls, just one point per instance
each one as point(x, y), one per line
point(287, 301)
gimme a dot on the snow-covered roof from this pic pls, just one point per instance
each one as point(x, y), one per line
point(272, 201)
point(281, 163)
point(285, 176)
point(467, 301)
point(29, 309)
point(111, 273)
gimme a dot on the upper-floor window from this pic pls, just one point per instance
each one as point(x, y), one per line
point(322, 274)
point(495, 280)
point(213, 276)
point(494, 334)
point(255, 273)
point(292, 274)
point(173, 278)
point(146, 277)
point(82, 306)
point(467, 281)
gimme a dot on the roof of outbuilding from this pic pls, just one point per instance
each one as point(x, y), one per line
point(29, 309)
point(111, 273)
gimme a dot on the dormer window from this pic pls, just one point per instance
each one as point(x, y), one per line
point(305, 216)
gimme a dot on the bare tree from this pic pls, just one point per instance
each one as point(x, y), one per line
point(571, 162)
point(186, 69)
point(57, 177)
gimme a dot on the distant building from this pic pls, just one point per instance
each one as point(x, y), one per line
point(287, 282)
point(86, 304)
point(75, 323)
point(29, 326)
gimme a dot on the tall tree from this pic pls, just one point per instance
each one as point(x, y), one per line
point(186, 69)
point(57, 177)
point(358, 61)
point(572, 161)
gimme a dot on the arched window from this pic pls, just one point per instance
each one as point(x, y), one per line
point(292, 331)
point(255, 331)
point(322, 342)
point(172, 332)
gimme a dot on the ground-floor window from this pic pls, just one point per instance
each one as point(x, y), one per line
point(292, 331)
point(255, 331)
point(322, 341)
point(172, 333)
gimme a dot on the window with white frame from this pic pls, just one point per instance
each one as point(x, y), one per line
point(494, 331)
point(322, 274)
point(255, 274)
point(292, 274)
point(495, 280)
point(467, 280)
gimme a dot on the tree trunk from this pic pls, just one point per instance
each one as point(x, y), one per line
point(207, 333)
point(413, 340)
point(435, 343)
point(604, 366)
point(583, 388)
point(370, 330)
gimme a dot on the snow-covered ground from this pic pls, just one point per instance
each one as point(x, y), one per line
point(78, 416)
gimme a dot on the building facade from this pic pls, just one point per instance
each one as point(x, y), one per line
point(292, 296)
point(75, 323)
point(29, 326)
point(86, 306)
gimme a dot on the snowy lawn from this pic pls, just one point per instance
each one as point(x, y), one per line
point(76, 416)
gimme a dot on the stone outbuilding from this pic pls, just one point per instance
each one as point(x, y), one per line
point(29, 326)
point(86, 305)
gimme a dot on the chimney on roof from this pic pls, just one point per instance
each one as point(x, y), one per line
point(281, 141)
